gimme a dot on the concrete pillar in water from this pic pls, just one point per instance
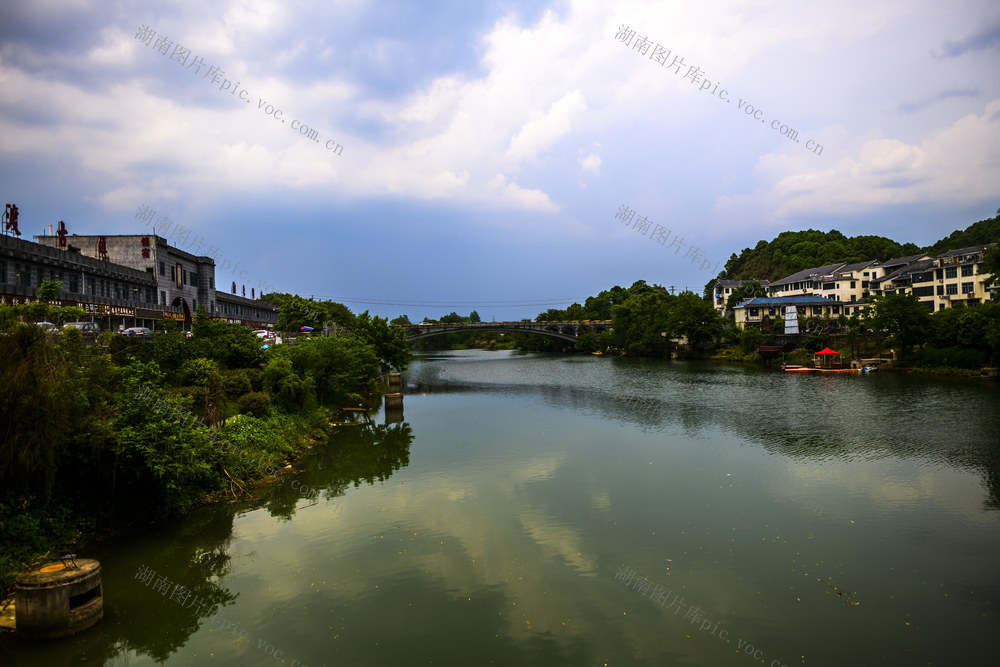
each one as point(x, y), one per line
point(394, 401)
point(58, 599)
point(395, 379)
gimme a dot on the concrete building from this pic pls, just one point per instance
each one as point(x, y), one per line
point(111, 294)
point(123, 280)
point(752, 311)
point(954, 277)
point(183, 280)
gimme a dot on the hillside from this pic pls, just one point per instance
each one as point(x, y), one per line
point(794, 251)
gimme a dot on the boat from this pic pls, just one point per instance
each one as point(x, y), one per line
point(793, 368)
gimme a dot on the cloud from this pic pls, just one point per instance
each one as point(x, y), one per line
point(519, 197)
point(910, 107)
point(987, 38)
point(544, 130)
point(956, 165)
point(591, 163)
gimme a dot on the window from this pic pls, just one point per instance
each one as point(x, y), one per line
point(211, 282)
point(939, 274)
point(853, 298)
point(852, 284)
point(942, 306)
point(924, 291)
point(967, 270)
point(865, 274)
point(3, 271)
point(163, 298)
point(173, 274)
point(163, 270)
point(940, 289)
point(829, 285)
point(951, 288)
point(73, 283)
point(211, 306)
point(967, 288)
point(184, 281)
point(951, 272)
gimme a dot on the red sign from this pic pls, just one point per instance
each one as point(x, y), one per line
point(10, 219)
point(102, 247)
point(62, 233)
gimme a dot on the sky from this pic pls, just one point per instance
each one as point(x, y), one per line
point(507, 157)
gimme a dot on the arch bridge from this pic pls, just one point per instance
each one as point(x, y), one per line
point(569, 331)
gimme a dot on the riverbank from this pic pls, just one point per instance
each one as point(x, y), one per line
point(99, 439)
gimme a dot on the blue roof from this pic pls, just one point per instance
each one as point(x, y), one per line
point(805, 300)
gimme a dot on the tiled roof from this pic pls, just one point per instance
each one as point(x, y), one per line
point(809, 274)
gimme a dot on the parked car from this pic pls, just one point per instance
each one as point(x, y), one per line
point(142, 332)
point(47, 327)
point(85, 327)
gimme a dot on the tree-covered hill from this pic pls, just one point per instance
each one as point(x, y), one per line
point(978, 233)
point(794, 251)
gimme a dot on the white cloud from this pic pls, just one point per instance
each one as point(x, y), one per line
point(954, 165)
point(544, 130)
point(591, 163)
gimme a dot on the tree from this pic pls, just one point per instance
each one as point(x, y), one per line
point(49, 290)
point(639, 321)
point(693, 317)
point(747, 290)
point(388, 342)
point(474, 317)
point(902, 316)
point(402, 319)
point(991, 265)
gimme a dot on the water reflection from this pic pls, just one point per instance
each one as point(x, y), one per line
point(804, 418)
point(158, 594)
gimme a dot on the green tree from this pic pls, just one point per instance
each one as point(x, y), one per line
point(639, 322)
point(402, 319)
point(474, 317)
point(389, 343)
point(747, 290)
point(693, 317)
point(991, 265)
point(49, 290)
point(901, 316)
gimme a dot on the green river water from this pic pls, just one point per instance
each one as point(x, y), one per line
point(552, 510)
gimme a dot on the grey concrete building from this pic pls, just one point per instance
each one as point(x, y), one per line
point(182, 280)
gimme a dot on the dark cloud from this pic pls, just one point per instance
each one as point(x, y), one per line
point(987, 38)
point(910, 107)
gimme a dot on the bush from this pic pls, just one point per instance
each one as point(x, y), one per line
point(952, 357)
point(237, 383)
point(254, 403)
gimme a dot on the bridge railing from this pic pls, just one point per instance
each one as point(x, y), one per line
point(507, 324)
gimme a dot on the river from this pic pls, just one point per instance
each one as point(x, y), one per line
point(536, 509)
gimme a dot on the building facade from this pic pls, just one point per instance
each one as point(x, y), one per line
point(123, 280)
point(753, 311)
